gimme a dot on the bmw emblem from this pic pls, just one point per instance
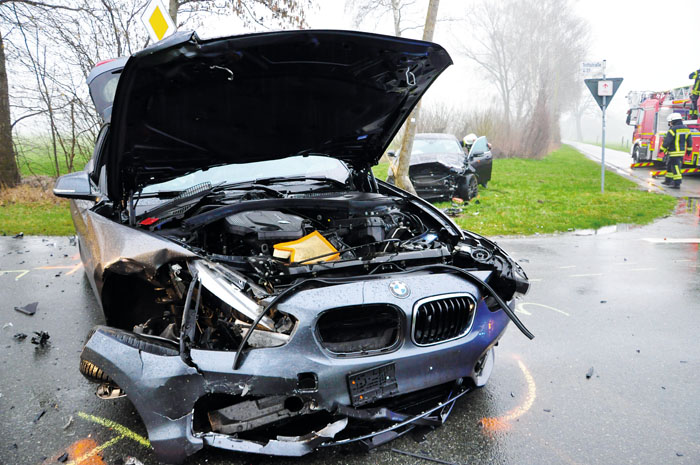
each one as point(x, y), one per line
point(399, 289)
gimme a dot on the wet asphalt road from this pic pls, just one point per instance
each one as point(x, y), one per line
point(624, 304)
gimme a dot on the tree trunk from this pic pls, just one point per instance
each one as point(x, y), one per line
point(397, 17)
point(9, 174)
point(402, 179)
point(173, 7)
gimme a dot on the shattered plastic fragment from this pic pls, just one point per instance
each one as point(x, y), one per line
point(590, 373)
point(63, 457)
point(20, 336)
point(19, 235)
point(41, 338)
point(38, 417)
point(133, 461)
point(29, 309)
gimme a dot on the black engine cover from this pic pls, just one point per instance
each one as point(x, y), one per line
point(266, 225)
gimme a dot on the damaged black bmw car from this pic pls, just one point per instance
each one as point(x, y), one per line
point(262, 291)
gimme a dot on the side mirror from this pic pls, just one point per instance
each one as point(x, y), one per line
point(391, 154)
point(75, 186)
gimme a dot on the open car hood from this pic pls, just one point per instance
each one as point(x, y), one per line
point(186, 104)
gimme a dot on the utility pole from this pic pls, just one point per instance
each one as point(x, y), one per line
point(402, 180)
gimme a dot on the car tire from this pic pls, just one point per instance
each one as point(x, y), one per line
point(92, 372)
point(635, 154)
point(468, 187)
point(484, 368)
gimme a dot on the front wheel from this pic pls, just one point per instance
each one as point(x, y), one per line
point(468, 188)
point(484, 367)
point(635, 154)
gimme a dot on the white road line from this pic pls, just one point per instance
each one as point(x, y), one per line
point(567, 267)
point(584, 275)
point(671, 240)
point(520, 307)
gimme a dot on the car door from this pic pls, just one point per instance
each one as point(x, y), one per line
point(481, 160)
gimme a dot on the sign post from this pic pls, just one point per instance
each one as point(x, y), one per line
point(603, 91)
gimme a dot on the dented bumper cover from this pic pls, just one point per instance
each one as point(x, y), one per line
point(166, 389)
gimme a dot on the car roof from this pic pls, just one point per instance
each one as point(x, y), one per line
point(434, 135)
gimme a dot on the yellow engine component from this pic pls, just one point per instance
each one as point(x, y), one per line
point(308, 247)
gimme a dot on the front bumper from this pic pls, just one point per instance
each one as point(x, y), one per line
point(165, 390)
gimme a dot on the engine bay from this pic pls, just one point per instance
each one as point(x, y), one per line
point(256, 245)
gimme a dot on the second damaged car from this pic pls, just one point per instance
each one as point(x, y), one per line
point(262, 291)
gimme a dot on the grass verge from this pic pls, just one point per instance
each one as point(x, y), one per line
point(556, 194)
point(619, 147)
point(32, 209)
point(35, 157)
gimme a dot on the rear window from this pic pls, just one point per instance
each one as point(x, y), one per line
point(103, 88)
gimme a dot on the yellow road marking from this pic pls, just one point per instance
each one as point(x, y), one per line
point(21, 273)
point(72, 268)
point(502, 422)
point(91, 457)
point(122, 430)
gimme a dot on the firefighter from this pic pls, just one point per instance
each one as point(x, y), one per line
point(677, 138)
point(468, 141)
point(694, 93)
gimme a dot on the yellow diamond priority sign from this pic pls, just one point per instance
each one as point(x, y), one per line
point(157, 21)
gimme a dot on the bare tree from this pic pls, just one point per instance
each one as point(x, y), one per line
point(402, 179)
point(262, 12)
point(400, 11)
point(529, 50)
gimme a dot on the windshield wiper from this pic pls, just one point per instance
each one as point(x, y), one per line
point(184, 201)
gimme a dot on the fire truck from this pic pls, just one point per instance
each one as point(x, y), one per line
point(648, 114)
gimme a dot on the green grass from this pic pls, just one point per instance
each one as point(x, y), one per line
point(35, 157)
point(556, 194)
point(380, 171)
point(50, 220)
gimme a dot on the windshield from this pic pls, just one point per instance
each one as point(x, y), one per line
point(292, 167)
point(436, 146)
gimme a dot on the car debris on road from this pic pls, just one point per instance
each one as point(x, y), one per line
point(29, 309)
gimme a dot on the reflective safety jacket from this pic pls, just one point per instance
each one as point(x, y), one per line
point(677, 138)
point(696, 85)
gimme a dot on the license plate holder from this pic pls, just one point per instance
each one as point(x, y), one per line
point(372, 384)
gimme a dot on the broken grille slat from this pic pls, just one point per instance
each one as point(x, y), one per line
point(443, 319)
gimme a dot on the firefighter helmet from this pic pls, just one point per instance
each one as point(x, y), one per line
point(674, 117)
point(469, 139)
